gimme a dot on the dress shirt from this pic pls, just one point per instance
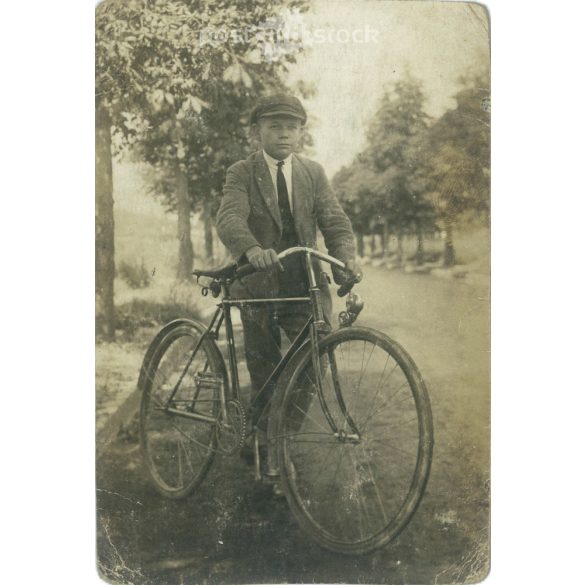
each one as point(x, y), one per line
point(286, 171)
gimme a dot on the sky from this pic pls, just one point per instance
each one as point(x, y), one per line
point(435, 41)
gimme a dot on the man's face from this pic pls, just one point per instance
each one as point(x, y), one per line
point(279, 135)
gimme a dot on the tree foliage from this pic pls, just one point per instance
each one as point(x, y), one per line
point(459, 148)
point(382, 190)
point(416, 174)
point(178, 78)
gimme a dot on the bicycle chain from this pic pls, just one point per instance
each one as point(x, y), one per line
point(239, 435)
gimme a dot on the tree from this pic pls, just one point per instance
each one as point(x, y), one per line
point(115, 80)
point(459, 159)
point(453, 174)
point(199, 144)
point(384, 187)
point(104, 224)
point(357, 188)
point(159, 60)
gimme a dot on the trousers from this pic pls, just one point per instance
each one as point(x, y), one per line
point(263, 326)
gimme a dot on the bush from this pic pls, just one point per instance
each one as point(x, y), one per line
point(140, 313)
point(134, 274)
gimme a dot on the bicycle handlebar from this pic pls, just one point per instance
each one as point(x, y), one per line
point(248, 269)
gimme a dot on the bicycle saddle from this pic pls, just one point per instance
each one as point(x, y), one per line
point(222, 272)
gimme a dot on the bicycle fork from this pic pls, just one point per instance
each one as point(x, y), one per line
point(319, 369)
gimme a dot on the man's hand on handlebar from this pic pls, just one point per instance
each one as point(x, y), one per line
point(352, 273)
point(354, 269)
point(262, 259)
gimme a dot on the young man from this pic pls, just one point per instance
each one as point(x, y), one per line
point(273, 200)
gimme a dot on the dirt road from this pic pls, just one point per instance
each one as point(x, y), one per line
point(232, 531)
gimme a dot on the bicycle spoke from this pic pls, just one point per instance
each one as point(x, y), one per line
point(360, 501)
point(161, 373)
point(187, 457)
point(367, 364)
point(319, 473)
point(373, 411)
point(365, 425)
point(182, 432)
point(389, 445)
point(375, 486)
point(338, 465)
point(326, 459)
point(378, 385)
point(306, 414)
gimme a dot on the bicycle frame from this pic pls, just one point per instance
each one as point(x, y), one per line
point(314, 325)
point(253, 414)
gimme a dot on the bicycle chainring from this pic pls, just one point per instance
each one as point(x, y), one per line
point(231, 432)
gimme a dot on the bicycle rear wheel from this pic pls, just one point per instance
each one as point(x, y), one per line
point(181, 374)
point(355, 489)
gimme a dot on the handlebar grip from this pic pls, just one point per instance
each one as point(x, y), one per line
point(347, 286)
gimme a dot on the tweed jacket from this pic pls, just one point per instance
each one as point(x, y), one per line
point(249, 214)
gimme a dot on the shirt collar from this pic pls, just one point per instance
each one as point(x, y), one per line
point(272, 162)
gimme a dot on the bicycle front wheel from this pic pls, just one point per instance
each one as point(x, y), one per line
point(354, 461)
point(181, 383)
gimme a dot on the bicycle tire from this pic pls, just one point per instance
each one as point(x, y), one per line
point(195, 441)
point(337, 512)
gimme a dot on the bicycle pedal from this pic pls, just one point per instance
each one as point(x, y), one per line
point(207, 381)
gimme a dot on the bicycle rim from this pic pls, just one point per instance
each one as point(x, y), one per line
point(355, 490)
point(178, 451)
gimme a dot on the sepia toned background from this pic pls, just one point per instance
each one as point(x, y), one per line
point(399, 115)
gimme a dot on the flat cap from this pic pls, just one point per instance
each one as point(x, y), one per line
point(278, 105)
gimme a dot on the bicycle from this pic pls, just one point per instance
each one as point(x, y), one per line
point(349, 418)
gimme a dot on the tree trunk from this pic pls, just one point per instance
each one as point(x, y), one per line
point(185, 264)
point(372, 245)
point(104, 223)
point(385, 239)
point(420, 252)
point(449, 258)
point(208, 229)
point(400, 247)
point(360, 244)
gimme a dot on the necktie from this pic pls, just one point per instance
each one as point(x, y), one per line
point(283, 203)
point(293, 281)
